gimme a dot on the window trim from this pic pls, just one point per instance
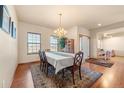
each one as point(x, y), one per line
point(33, 43)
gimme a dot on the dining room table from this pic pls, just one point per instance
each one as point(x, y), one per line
point(60, 60)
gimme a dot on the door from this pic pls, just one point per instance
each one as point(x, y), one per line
point(84, 45)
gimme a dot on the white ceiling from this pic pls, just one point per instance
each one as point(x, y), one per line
point(87, 16)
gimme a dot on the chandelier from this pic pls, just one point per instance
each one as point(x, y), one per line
point(60, 32)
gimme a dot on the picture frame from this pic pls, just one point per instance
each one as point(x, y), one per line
point(4, 19)
point(13, 30)
point(10, 27)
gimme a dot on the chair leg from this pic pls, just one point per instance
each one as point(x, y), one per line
point(46, 69)
point(43, 67)
point(63, 73)
point(80, 73)
point(73, 77)
point(40, 66)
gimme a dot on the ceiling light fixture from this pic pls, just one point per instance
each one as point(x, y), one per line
point(60, 32)
point(99, 24)
point(107, 35)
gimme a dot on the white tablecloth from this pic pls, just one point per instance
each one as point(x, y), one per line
point(60, 60)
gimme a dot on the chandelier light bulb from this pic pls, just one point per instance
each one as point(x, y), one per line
point(60, 32)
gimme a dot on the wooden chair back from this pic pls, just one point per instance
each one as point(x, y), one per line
point(44, 56)
point(40, 55)
point(78, 59)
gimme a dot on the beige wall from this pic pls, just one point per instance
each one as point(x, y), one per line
point(108, 43)
point(114, 43)
point(82, 31)
point(8, 56)
point(93, 44)
point(74, 32)
point(45, 36)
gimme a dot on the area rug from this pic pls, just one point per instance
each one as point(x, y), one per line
point(40, 80)
point(100, 62)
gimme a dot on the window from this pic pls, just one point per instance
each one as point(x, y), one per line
point(53, 43)
point(33, 43)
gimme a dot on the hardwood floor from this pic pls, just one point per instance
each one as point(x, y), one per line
point(23, 78)
point(112, 77)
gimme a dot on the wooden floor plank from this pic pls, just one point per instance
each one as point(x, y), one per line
point(112, 77)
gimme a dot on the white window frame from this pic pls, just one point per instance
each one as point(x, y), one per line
point(29, 53)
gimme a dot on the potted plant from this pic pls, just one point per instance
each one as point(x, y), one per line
point(62, 42)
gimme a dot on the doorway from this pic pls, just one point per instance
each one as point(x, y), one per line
point(85, 45)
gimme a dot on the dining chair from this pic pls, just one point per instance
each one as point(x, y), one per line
point(46, 64)
point(76, 65)
point(41, 61)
